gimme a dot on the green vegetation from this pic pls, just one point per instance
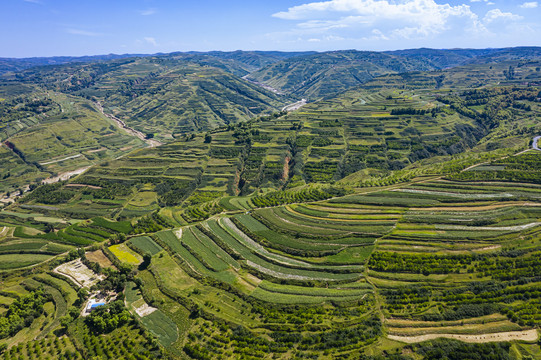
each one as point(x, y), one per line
point(361, 226)
point(21, 313)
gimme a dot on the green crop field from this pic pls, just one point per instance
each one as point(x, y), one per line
point(396, 215)
point(146, 245)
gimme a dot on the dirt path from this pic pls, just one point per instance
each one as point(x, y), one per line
point(524, 335)
point(488, 228)
point(535, 146)
point(59, 160)
point(474, 208)
point(294, 106)
point(121, 124)
point(84, 185)
point(65, 175)
point(455, 194)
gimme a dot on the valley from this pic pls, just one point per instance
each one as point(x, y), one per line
point(376, 206)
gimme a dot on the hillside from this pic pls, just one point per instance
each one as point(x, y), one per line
point(326, 74)
point(319, 75)
point(8, 65)
point(398, 220)
point(160, 95)
point(45, 135)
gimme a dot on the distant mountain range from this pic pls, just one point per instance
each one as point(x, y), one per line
point(310, 75)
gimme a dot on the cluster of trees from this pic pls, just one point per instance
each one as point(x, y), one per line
point(321, 171)
point(511, 268)
point(244, 343)
point(21, 107)
point(224, 152)
point(150, 223)
point(419, 264)
point(412, 111)
point(458, 350)
point(46, 348)
point(22, 312)
point(407, 297)
point(107, 318)
point(128, 342)
point(201, 212)
point(172, 192)
point(50, 194)
point(526, 313)
point(288, 197)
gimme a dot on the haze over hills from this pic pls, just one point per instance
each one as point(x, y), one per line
point(166, 206)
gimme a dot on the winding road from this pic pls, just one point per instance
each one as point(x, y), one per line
point(294, 106)
point(535, 144)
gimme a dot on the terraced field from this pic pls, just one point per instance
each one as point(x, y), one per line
point(436, 258)
point(383, 223)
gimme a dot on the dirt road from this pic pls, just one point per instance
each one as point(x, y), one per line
point(535, 144)
point(524, 335)
point(294, 106)
point(55, 161)
point(65, 175)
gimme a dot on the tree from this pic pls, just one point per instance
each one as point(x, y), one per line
point(208, 138)
point(146, 261)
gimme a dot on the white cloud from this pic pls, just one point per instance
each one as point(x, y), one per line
point(497, 15)
point(82, 32)
point(406, 18)
point(150, 40)
point(33, 1)
point(529, 5)
point(147, 12)
point(376, 35)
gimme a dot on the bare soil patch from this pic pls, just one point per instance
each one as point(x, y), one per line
point(99, 257)
point(79, 273)
point(523, 335)
point(144, 310)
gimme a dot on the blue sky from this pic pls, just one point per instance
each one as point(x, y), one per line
point(90, 27)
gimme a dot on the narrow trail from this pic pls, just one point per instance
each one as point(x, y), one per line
point(59, 160)
point(535, 146)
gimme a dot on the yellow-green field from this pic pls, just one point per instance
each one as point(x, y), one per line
point(126, 255)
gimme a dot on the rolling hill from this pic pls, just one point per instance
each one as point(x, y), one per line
point(399, 220)
point(323, 75)
point(159, 95)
